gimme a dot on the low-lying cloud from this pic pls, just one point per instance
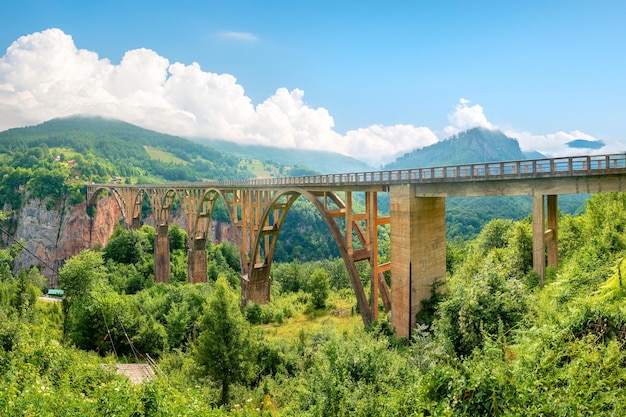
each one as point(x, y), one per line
point(43, 75)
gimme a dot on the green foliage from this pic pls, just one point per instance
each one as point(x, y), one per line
point(127, 246)
point(319, 287)
point(177, 237)
point(430, 306)
point(48, 184)
point(483, 304)
point(223, 347)
point(26, 292)
point(101, 149)
point(79, 273)
point(295, 276)
point(13, 180)
point(352, 376)
point(499, 345)
point(308, 239)
point(223, 260)
point(277, 310)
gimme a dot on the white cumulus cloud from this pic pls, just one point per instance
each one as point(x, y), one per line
point(388, 141)
point(43, 75)
point(553, 144)
point(467, 117)
point(556, 144)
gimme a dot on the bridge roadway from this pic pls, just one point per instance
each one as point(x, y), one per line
point(258, 207)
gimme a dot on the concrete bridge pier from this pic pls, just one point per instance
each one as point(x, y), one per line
point(162, 254)
point(418, 252)
point(543, 237)
point(197, 261)
point(258, 285)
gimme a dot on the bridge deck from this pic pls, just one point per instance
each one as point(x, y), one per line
point(258, 207)
point(563, 167)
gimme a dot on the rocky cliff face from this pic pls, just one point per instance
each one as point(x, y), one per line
point(53, 236)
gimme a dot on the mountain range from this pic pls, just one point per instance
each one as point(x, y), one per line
point(142, 152)
point(50, 162)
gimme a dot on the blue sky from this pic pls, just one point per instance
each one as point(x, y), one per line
point(366, 74)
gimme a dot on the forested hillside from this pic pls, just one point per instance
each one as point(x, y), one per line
point(320, 161)
point(52, 162)
point(498, 342)
point(474, 145)
point(102, 149)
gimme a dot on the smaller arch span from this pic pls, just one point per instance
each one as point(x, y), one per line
point(128, 199)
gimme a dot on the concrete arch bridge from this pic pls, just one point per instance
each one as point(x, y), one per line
point(257, 210)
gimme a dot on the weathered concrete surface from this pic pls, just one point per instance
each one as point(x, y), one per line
point(162, 254)
point(418, 252)
point(137, 373)
point(535, 186)
point(197, 262)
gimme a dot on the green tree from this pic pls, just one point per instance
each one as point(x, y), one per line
point(319, 287)
point(76, 278)
point(223, 348)
point(127, 246)
point(177, 237)
point(26, 294)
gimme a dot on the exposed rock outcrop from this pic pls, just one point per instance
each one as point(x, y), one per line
point(53, 236)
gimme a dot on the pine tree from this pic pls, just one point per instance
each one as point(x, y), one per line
point(223, 348)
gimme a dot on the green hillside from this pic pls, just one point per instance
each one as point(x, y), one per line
point(474, 145)
point(120, 149)
point(320, 161)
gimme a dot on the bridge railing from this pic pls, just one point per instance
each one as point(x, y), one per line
point(533, 168)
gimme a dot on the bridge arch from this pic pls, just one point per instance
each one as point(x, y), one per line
point(198, 207)
point(256, 286)
point(128, 200)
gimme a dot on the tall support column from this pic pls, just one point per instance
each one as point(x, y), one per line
point(161, 202)
point(162, 254)
point(418, 252)
point(539, 247)
point(197, 261)
point(371, 204)
point(255, 204)
point(552, 233)
point(258, 287)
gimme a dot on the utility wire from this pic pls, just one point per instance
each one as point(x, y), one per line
point(108, 331)
point(17, 242)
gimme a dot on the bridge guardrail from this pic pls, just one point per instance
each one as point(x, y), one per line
point(533, 168)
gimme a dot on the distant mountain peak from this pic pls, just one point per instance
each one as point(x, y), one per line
point(478, 144)
point(585, 144)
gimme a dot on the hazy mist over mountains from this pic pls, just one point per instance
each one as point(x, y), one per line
point(473, 145)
